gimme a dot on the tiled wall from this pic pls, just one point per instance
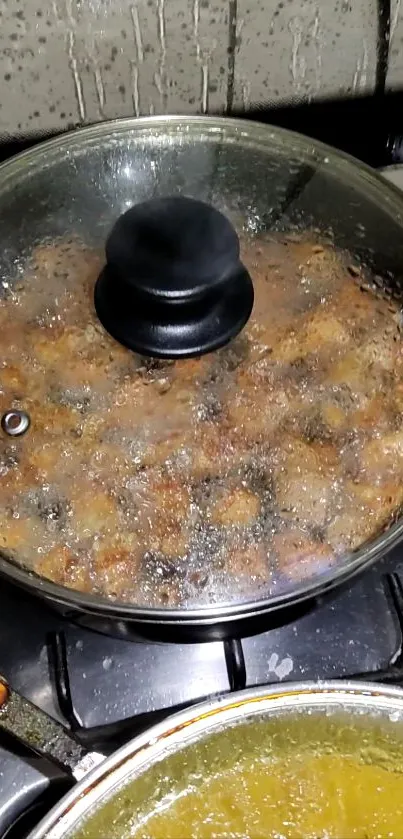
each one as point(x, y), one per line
point(66, 62)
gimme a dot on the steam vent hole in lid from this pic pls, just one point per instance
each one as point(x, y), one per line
point(173, 285)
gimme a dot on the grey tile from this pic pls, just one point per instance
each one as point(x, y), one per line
point(68, 61)
point(294, 49)
point(395, 69)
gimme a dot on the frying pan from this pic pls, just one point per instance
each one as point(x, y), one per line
point(286, 182)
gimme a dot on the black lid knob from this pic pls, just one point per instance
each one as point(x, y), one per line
point(173, 285)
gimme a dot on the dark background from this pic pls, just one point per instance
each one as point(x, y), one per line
point(369, 127)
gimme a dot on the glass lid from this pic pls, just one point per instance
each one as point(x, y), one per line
point(201, 374)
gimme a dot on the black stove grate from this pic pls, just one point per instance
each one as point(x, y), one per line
point(393, 674)
point(107, 737)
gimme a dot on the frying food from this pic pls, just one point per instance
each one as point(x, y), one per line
point(172, 484)
point(294, 777)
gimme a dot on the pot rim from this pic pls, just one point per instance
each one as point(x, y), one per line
point(258, 135)
point(209, 615)
point(181, 729)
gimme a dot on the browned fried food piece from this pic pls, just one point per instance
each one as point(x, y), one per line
point(369, 507)
point(238, 507)
point(321, 333)
point(306, 481)
point(382, 456)
point(13, 384)
point(260, 400)
point(61, 277)
point(211, 451)
point(94, 511)
point(350, 529)
point(300, 557)
point(320, 263)
point(164, 514)
point(248, 561)
point(63, 566)
point(116, 563)
point(21, 536)
point(342, 412)
point(380, 499)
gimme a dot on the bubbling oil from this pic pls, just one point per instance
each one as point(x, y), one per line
point(227, 478)
point(293, 778)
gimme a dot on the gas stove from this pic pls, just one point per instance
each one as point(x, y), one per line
point(106, 690)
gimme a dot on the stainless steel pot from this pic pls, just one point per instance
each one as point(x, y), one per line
point(393, 174)
point(353, 699)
